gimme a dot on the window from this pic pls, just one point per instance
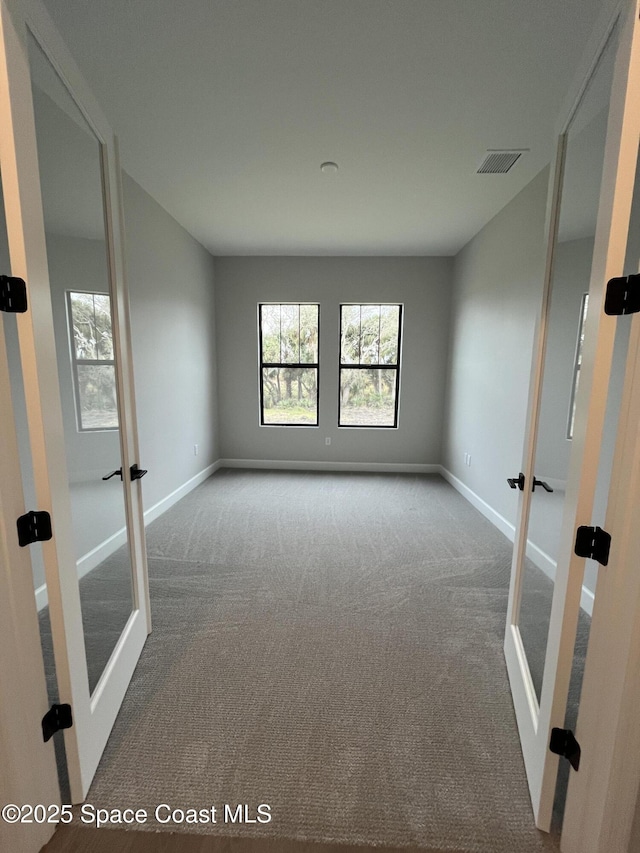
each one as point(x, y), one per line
point(288, 364)
point(577, 363)
point(369, 365)
point(94, 373)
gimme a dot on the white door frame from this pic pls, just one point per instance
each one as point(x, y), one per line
point(94, 714)
point(535, 720)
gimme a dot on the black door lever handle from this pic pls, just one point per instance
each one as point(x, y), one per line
point(117, 473)
point(136, 473)
point(544, 485)
point(516, 482)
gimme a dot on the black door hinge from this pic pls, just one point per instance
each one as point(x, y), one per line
point(57, 717)
point(623, 296)
point(34, 527)
point(593, 543)
point(13, 294)
point(563, 743)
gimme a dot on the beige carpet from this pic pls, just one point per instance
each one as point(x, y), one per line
point(331, 645)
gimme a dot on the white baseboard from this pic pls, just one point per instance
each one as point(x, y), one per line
point(586, 600)
point(42, 599)
point(97, 555)
point(100, 553)
point(556, 484)
point(88, 562)
point(475, 500)
point(293, 465)
point(173, 497)
point(537, 556)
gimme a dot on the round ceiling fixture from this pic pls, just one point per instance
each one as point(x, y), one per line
point(329, 168)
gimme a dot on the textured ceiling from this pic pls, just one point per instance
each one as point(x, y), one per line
point(226, 109)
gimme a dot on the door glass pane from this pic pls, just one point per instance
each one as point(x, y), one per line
point(573, 255)
point(70, 160)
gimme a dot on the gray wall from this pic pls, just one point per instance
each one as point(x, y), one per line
point(572, 271)
point(421, 284)
point(496, 297)
point(171, 282)
point(98, 509)
point(171, 290)
point(172, 316)
point(76, 263)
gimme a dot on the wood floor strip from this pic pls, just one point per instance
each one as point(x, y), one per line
point(77, 839)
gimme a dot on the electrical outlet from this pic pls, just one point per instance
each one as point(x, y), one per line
point(327, 441)
point(196, 449)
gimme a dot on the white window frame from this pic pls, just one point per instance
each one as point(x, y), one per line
point(577, 362)
point(392, 366)
point(76, 362)
point(310, 365)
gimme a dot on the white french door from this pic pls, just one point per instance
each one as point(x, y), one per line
point(573, 404)
point(72, 352)
point(602, 808)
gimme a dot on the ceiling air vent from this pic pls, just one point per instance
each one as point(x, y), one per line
point(498, 162)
